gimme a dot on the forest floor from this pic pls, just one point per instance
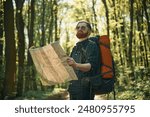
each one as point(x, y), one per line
point(56, 94)
point(63, 95)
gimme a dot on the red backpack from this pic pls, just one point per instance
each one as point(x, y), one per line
point(104, 83)
point(107, 68)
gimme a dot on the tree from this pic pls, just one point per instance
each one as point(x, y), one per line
point(43, 40)
point(1, 45)
point(107, 15)
point(131, 32)
point(148, 31)
point(10, 51)
point(51, 17)
point(21, 45)
point(95, 17)
point(30, 72)
point(1, 33)
point(55, 20)
point(130, 60)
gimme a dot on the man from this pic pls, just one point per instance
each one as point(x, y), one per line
point(84, 60)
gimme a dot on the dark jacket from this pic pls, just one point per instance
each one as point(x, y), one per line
point(86, 52)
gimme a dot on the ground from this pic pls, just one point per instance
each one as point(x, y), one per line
point(63, 95)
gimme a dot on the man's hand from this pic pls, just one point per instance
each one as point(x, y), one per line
point(78, 66)
point(72, 62)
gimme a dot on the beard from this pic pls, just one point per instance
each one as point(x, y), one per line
point(81, 34)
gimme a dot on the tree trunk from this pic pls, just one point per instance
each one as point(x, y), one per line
point(107, 15)
point(43, 42)
point(116, 33)
point(95, 17)
point(1, 46)
point(124, 41)
point(55, 16)
point(131, 32)
point(50, 37)
point(115, 30)
point(1, 34)
point(139, 17)
point(130, 62)
point(21, 46)
point(31, 42)
point(1, 19)
point(10, 51)
point(1, 53)
point(30, 74)
point(146, 14)
point(148, 25)
point(67, 41)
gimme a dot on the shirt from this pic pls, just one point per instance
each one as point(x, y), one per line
point(86, 51)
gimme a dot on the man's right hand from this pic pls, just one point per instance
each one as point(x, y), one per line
point(72, 62)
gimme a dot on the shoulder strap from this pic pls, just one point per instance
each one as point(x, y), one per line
point(83, 50)
point(83, 53)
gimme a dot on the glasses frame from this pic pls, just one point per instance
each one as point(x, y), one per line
point(81, 28)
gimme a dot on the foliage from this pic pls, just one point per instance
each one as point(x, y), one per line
point(137, 89)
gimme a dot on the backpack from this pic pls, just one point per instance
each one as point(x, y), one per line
point(104, 82)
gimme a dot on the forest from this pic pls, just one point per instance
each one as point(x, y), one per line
point(26, 23)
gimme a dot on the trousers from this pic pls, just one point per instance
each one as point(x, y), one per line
point(80, 90)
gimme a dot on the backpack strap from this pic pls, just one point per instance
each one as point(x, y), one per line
point(83, 50)
point(110, 71)
point(106, 46)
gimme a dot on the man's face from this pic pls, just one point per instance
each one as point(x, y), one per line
point(82, 30)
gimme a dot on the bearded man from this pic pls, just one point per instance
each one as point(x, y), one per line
point(84, 58)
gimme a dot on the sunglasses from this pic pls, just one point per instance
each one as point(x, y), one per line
point(81, 27)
